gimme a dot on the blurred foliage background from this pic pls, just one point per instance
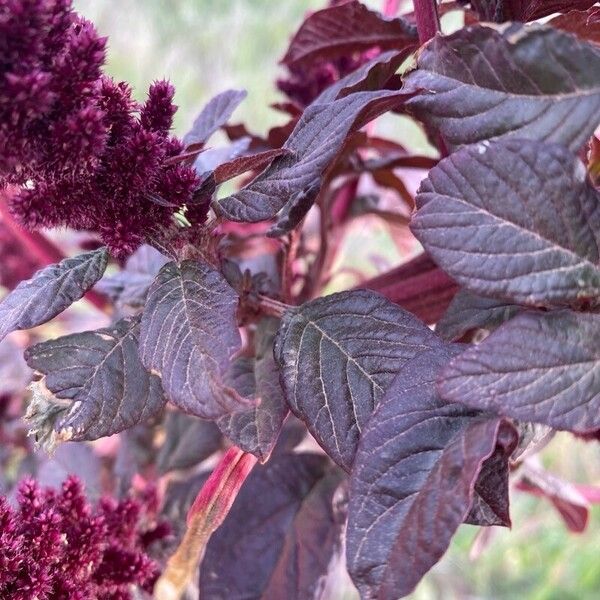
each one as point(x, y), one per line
point(206, 46)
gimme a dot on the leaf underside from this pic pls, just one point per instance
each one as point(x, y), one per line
point(188, 441)
point(312, 147)
point(50, 291)
point(215, 114)
point(468, 312)
point(129, 286)
point(349, 27)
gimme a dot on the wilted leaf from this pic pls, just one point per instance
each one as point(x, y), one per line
point(540, 367)
point(178, 498)
point(188, 441)
point(346, 28)
point(313, 145)
point(564, 496)
point(412, 481)
point(490, 505)
point(256, 429)
point(50, 291)
point(207, 513)
point(514, 219)
point(254, 532)
point(213, 115)
point(337, 356)
point(189, 334)
point(468, 312)
point(535, 82)
point(97, 382)
point(583, 23)
point(130, 285)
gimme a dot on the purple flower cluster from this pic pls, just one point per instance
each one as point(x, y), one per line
point(83, 153)
point(55, 546)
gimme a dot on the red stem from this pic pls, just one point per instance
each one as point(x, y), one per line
point(272, 307)
point(428, 21)
point(419, 286)
point(390, 8)
point(40, 247)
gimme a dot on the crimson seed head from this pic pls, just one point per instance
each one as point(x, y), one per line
point(83, 153)
point(54, 545)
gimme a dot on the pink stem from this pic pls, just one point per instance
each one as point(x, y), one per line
point(390, 8)
point(428, 21)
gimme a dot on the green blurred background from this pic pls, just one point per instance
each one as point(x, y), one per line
point(207, 46)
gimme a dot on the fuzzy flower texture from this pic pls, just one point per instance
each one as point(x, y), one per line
point(54, 546)
point(82, 152)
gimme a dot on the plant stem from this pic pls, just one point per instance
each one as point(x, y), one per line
point(390, 8)
point(428, 21)
point(272, 307)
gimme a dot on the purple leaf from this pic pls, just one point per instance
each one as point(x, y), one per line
point(371, 76)
point(254, 532)
point(189, 334)
point(346, 28)
point(490, 504)
point(188, 441)
point(97, 382)
point(14, 372)
point(130, 286)
point(256, 430)
point(524, 10)
point(468, 312)
point(539, 367)
point(212, 158)
point(312, 544)
point(514, 219)
point(50, 291)
point(535, 83)
point(337, 356)
point(441, 503)
point(564, 495)
point(313, 145)
point(413, 479)
point(242, 164)
point(215, 114)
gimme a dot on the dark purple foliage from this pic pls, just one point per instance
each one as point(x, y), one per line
point(223, 305)
point(85, 153)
